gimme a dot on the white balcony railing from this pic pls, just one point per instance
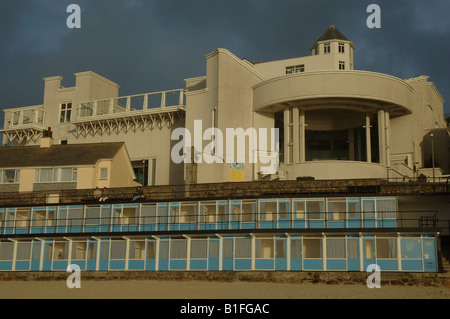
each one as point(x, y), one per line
point(130, 105)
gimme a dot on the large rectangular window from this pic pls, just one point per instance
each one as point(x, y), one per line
point(386, 248)
point(243, 247)
point(66, 111)
point(137, 250)
point(79, 250)
point(336, 209)
point(208, 212)
point(49, 175)
point(312, 248)
point(386, 208)
point(199, 248)
point(178, 249)
point(9, 176)
point(118, 249)
point(336, 248)
point(248, 211)
point(188, 213)
point(264, 248)
point(315, 209)
point(268, 211)
point(23, 250)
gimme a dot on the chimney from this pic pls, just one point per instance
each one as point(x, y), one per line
point(47, 138)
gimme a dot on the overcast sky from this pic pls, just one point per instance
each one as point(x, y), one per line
point(153, 45)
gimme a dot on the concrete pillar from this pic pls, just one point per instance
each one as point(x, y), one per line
point(368, 146)
point(381, 137)
point(286, 135)
point(387, 125)
point(295, 137)
point(302, 136)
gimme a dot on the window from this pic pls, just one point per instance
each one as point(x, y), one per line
point(326, 48)
point(6, 250)
point(23, 251)
point(268, 211)
point(386, 248)
point(61, 250)
point(92, 215)
point(79, 250)
point(264, 248)
point(137, 250)
point(199, 248)
point(188, 213)
point(316, 50)
point(295, 69)
point(341, 47)
point(22, 216)
point(9, 176)
point(50, 175)
point(336, 209)
point(281, 248)
point(248, 211)
point(315, 209)
point(118, 249)
point(129, 215)
point(299, 209)
point(178, 249)
point(296, 248)
point(208, 212)
point(336, 248)
point(341, 65)
point(386, 208)
point(151, 250)
point(66, 110)
point(312, 248)
point(243, 247)
point(103, 173)
point(148, 214)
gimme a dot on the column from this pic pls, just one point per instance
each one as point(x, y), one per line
point(368, 146)
point(302, 136)
point(381, 137)
point(295, 137)
point(387, 125)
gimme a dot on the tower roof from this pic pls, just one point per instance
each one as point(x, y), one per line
point(332, 33)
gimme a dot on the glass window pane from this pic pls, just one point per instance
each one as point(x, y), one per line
point(199, 248)
point(336, 248)
point(312, 248)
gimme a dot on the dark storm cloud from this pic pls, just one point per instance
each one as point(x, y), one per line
point(153, 45)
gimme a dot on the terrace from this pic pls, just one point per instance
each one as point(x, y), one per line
point(131, 112)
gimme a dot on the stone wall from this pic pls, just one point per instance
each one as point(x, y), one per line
point(294, 277)
point(231, 190)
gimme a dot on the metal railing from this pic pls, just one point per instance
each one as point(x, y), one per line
point(249, 221)
point(131, 104)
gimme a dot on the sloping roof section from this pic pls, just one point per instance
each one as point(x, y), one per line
point(57, 155)
point(332, 33)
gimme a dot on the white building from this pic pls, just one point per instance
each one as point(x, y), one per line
point(334, 122)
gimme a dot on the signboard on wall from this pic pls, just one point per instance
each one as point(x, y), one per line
point(236, 172)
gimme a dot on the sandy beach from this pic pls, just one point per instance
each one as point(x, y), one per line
point(192, 289)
